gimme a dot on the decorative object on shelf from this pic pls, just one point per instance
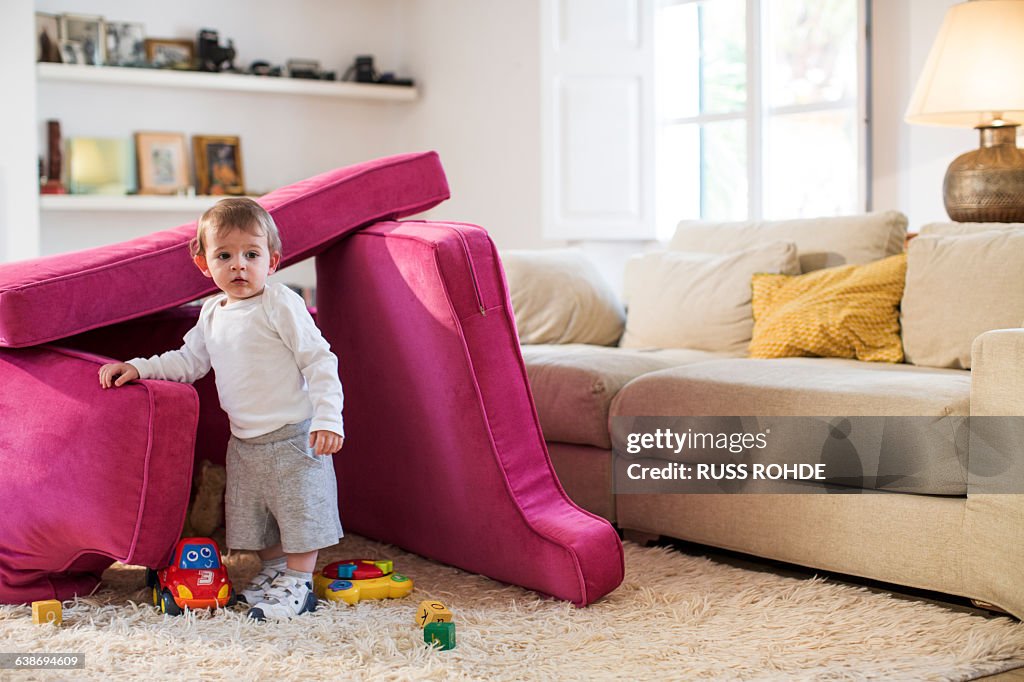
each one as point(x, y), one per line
point(261, 68)
point(218, 161)
point(87, 32)
point(47, 37)
point(71, 52)
point(212, 55)
point(100, 165)
point(389, 78)
point(162, 161)
point(52, 183)
point(363, 71)
point(126, 43)
point(170, 53)
point(964, 84)
point(309, 69)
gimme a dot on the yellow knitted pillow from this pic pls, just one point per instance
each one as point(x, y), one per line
point(851, 311)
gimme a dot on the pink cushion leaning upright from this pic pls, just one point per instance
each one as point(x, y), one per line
point(444, 455)
point(100, 286)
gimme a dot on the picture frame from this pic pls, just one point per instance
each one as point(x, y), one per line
point(125, 42)
point(71, 52)
point(170, 53)
point(47, 37)
point(87, 31)
point(218, 161)
point(162, 162)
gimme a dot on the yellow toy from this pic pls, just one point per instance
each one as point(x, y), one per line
point(353, 580)
point(48, 611)
point(432, 612)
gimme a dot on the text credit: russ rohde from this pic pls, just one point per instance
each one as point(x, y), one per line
point(940, 455)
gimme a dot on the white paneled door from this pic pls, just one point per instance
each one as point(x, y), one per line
point(598, 107)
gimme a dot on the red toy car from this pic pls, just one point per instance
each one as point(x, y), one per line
point(196, 579)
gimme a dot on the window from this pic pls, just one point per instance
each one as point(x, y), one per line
point(759, 109)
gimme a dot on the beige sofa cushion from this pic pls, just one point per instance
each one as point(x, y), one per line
point(957, 287)
point(803, 387)
point(573, 385)
point(821, 242)
point(558, 296)
point(918, 454)
point(698, 300)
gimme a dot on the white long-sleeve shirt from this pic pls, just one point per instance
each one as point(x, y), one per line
point(273, 366)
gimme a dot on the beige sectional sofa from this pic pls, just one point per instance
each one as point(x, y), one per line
point(961, 314)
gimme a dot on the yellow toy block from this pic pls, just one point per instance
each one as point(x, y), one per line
point(48, 611)
point(432, 612)
point(385, 565)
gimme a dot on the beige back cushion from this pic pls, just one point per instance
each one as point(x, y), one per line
point(558, 296)
point(959, 286)
point(820, 242)
point(679, 299)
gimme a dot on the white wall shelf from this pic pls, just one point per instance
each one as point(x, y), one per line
point(198, 80)
point(145, 203)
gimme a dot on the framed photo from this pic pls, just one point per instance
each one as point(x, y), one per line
point(71, 52)
point(162, 162)
point(168, 53)
point(47, 37)
point(125, 43)
point(218, 164)
point(87, 31)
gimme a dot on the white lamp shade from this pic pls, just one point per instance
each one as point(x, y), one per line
point(975, 68)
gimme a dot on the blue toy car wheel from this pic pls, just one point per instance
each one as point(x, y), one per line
point(168, 605)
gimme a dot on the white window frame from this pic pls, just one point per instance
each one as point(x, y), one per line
point(756, 112)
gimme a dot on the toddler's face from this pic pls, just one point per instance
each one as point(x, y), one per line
point(239, 263)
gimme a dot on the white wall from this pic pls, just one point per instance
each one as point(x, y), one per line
point(932, 148)
point(19, 187)
point(479, 63)
point(910, 160)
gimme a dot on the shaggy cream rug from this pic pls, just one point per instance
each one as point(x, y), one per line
point(676, 617)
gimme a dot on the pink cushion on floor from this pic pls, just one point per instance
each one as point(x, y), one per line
point(49, 298)
point(88, 476)
point(444, 455)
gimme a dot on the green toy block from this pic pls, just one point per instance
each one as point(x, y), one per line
point(385, 566)
point(441, 633)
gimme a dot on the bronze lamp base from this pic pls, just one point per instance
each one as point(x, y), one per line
point(986, 185)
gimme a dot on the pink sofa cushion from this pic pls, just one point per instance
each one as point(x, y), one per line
point(444, 455)
point(89, 476)
point(53, 297)
point(157, 333)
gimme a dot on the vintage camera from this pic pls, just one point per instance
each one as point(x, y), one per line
point(212, 55)
point(308, 68)
point(363, 70)
point(262, 68)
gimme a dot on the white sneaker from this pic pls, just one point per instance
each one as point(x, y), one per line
point(287, 597)
point(258, 586)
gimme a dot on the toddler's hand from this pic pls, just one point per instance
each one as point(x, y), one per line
point(325, 442)
point(122, 371)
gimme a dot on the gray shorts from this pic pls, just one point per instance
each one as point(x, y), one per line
point(279, 491)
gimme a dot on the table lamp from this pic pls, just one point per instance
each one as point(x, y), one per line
point(972, 79)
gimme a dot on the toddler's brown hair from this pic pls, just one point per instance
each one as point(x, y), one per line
point(236, 213)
